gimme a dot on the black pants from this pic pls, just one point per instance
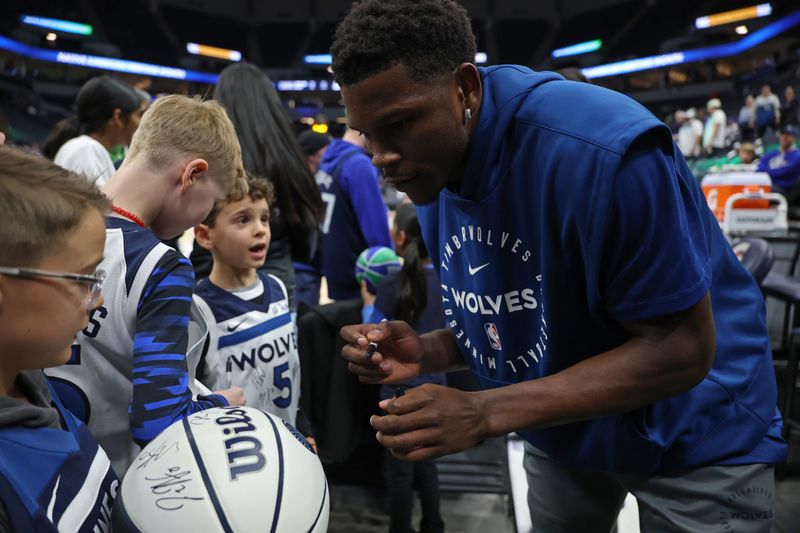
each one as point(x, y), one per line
point(401, 477)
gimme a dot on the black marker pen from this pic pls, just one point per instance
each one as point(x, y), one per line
point(372, 346)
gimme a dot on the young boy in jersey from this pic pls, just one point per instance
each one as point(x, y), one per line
point(53, 475)
point(257, 348)
point(130, 377)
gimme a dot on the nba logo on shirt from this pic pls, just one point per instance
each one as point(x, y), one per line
point(494, 337)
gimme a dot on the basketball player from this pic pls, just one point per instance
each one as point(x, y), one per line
point(129, 377)
point(584, 279)
point(53, 475)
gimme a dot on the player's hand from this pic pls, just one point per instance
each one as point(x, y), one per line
point(234, 395)
point(367, 297)
point(397, 358)
point(430, 421)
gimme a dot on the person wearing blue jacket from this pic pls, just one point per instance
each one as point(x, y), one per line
point(783, 164)
point(355, 215)
point(585, 282)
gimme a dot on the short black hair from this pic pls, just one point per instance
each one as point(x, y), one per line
point(429, 37)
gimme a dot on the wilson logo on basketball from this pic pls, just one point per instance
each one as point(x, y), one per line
point(245, 449)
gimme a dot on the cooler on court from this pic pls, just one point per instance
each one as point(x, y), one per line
point(718, 188)
point(742, 202)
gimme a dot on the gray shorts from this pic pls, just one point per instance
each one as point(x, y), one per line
point(709, 499)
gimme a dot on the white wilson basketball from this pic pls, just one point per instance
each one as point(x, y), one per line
point(227, 469)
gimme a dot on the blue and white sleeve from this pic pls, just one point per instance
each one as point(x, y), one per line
point(161, 392)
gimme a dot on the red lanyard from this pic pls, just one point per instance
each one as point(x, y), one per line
point(128, 215)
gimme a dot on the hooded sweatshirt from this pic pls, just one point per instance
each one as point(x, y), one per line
point(355, 215)
point(576, 213)
point(53, 475)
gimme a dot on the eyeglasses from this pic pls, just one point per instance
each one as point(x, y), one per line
point(95, 282)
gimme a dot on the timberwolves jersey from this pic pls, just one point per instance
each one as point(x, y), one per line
point(128, 376)
point(257, 347)
point(55, 479)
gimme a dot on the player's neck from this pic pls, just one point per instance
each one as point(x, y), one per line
point(138, 190)
point(230, 278)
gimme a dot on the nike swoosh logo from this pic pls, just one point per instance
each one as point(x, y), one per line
point(233, 328)
point(473, 271)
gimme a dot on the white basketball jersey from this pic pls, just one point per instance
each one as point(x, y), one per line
point(256, 347)
point(97, 384)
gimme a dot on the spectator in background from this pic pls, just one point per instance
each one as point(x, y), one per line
point(714, 129)
point(313, 145)
point(789, 108)
point(308, 276)
point(702, 116)
point(270, 149)
point(747, 119)
point(674, 121)
point(355, 218)
point(108, 112)
point(783, 165)
point(690, 134)
point(768, 110)
point(745, 154)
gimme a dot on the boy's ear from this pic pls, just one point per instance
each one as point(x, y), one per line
point(203, 236)
point(400, 239)
point(192, 171)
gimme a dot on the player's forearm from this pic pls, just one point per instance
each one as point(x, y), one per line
point(664, 357)
point(618, 381)
point(440, 352)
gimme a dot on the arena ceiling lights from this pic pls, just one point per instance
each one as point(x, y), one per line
point(213, 51)
point(599, 71)
point(326, 59)
point(65, 26)
point(737, 15)
point(697, 54)
point(106, 63)
point(577, 49)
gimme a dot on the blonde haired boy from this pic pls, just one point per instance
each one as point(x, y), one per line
point(130, 378)
point(53, 475)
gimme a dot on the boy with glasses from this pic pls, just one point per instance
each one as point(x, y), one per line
point(53, 474)
point(132, 375)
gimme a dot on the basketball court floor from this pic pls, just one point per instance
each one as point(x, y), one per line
point(356, 509)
